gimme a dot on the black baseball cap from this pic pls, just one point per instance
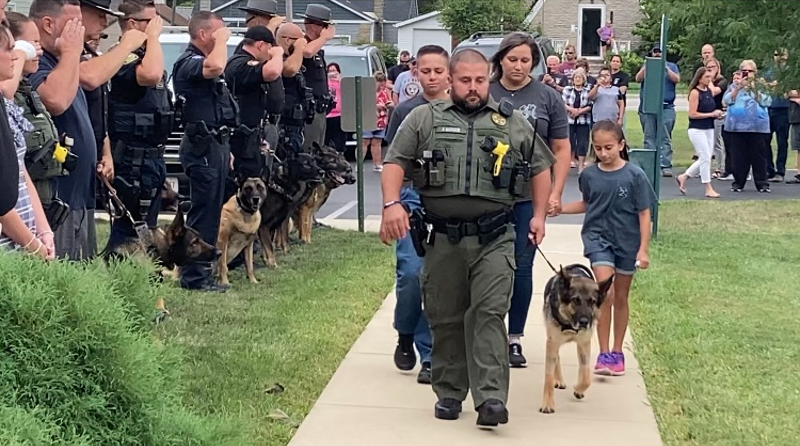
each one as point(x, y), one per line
point(260, 34)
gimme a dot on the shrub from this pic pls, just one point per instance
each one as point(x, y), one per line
point(80, 365)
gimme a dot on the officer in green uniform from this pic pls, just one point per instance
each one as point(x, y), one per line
point(470, 158)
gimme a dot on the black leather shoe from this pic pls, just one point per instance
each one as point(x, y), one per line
point(447, 409)
point(404, 357)
point(491, 413)
point(424, 376)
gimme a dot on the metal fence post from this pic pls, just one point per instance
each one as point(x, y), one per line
point(358, 152)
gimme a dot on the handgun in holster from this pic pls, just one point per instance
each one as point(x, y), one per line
point(502, 165)
point(420, 231)
point(56, 213)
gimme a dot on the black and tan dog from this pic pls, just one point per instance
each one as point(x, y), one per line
point(572, 301)
point(338, 172)
point(172, 246)
point(291, 177)
point(238, 226)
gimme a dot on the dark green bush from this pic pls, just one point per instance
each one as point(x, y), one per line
point(80, 365)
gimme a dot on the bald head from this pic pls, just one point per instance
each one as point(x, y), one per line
point(287, 34)
point(468, 57)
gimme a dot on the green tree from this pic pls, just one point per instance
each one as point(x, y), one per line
point(465, 17)
point(738, 29)
point(426, 6)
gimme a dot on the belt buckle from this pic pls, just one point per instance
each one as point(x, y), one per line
point(453, 231)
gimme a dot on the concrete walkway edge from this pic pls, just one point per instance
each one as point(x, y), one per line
point(368, 402)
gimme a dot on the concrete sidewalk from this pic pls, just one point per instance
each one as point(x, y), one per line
point(369, 402)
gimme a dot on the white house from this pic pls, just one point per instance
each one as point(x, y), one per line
point(423, 30)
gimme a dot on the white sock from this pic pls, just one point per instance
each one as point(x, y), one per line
point(514, 339)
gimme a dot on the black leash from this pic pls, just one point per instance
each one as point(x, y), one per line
point(537, 248)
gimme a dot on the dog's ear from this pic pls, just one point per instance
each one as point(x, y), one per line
point(178, 226)
point(563, 277)
point(603, 289)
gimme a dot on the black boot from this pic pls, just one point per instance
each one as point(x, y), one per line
point(404, 356)
point(447, 409)
point(492, 412)
point(424, 376)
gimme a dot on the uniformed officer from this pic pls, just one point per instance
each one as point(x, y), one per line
point(298, 99)
point(262, 13)
point(209, 115)
point(470, 157)
point(247, 73)
point(140, 121)
point(319, 30)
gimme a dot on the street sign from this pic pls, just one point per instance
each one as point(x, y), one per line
point(369, 109)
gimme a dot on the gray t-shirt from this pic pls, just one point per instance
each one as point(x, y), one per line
point(406, 86)
point(613, 202)
point(606, 107)
point(542, 105)
point(398, 115)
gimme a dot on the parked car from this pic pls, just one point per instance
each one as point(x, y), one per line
point(489, 42)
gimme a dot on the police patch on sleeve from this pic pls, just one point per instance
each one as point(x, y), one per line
point(132, 57)
point(253, 63)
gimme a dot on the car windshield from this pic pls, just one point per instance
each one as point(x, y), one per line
point(173, 50)
point(351, 65)
point(490, 50)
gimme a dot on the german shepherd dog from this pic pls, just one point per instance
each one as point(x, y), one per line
point(337, 173)
point(572, 301)
point(238, 226)
point(172, 246)
point(290, 178)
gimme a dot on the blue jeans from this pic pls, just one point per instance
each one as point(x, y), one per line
point(524, 252)
point(408, 315)
point(648, 122)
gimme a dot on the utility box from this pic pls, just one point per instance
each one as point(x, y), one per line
point(653, 88)
point(369, 108)
point(648, 160)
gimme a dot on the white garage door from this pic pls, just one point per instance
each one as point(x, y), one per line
point(424, 37)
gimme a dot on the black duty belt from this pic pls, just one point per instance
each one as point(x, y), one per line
point(488, 225)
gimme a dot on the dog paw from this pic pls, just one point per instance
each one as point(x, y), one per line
point(547, 409)
point(253, 280)
point(579, 395)
point(560, 385)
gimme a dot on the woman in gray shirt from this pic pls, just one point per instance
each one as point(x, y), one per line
point(608, 104)
point(544, 108)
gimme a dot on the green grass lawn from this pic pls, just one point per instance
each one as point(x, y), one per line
point(715, 321)
point(293, 329)
point(682, 149)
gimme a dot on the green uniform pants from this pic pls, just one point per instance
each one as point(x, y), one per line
point(466, 292)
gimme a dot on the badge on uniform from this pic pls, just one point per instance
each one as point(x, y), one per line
point(498, 119)
point(131, 58)
point(253, 63)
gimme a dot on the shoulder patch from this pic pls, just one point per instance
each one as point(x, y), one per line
point(198, 56)
point(253, 62)
point(132, 57)
point(498, 119)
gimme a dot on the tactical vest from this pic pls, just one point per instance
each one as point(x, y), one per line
point(316, 74)
point(297, 98)
point(468, 170)
point(209, 101)
point(41, 166)
point(147, 121)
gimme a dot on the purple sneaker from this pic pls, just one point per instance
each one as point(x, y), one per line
point(617, 366)
point(604, 363)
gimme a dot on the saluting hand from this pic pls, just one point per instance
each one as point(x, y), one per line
point(394, 224)
point(71, 39)
point(328, 33)
point(221, 35)
point(133, 39)
point(276, 51)
point(153, 29)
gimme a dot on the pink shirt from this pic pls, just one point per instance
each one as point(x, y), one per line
point(335, 86)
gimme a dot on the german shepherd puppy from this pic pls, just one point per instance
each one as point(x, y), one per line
point(337, 172)
point(572, 301)
point(290, 179)
point(171, 246)
point(238, 226)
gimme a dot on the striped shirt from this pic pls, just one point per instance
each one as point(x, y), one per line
point(19, 126)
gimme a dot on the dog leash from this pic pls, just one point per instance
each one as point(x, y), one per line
point(535, 247)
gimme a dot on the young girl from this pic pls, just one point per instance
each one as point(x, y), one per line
point(617, 198)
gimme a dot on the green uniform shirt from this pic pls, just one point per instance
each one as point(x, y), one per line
point(415, 136)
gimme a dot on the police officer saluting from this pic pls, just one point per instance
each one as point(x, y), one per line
point(247, 74)
point(140, 120)
point(298, 100)
point(470, 157)
point(209, 116)
point(319, 30)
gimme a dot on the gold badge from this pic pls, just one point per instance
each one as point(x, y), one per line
point(498, 119)
point(253, 63)
point(131, 58)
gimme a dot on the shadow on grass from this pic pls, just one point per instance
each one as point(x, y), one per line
point(293, 328)
point(715, 323)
